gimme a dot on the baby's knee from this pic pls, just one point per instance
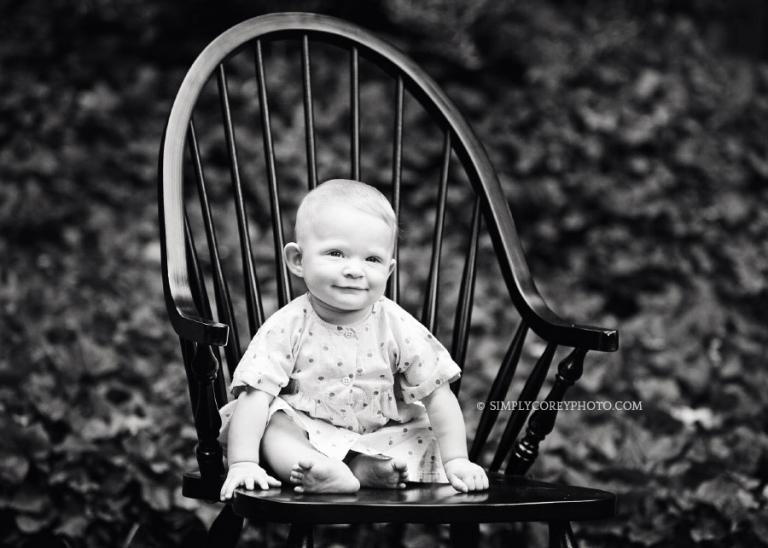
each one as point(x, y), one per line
point(282, 425)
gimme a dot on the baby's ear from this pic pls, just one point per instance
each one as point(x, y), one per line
point(392, 265)
point(292, 254)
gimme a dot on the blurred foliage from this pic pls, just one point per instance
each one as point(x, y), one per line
point(630, 139)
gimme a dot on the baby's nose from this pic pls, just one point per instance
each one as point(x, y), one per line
point(352, 269)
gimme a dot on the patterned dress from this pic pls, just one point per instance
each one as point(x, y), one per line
point(353, 387)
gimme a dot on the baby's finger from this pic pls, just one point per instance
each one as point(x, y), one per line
point(274, 482)
point(249, 483)
point(228, 489)
point(457, 483)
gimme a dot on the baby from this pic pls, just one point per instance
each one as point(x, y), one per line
point(342, 388)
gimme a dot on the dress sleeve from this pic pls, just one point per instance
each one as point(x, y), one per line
point(268, 361)
point(423, 363)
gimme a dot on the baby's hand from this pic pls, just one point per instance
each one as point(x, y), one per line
point(465, 475)
point(249, 474)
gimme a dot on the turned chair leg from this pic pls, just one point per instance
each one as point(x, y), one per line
point(300, 536)
point(226, 529)
point(465, 534)
point(556, 534)
point(570, 538)
point(561, 535)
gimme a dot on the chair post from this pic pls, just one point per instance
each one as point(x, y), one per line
point(569, 540)
point(207, 420)
point(226, 529)
point(556, 534)
point(542, 421)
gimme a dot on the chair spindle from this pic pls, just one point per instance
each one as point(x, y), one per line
point(498, 390)
point(220, 287)
point(354, 95)
point(528, 393)
point(284, 293)
point(429, 317)
point(542, 421)
point(252, 293)
point(309, 115)
point(463, 317)
point(397, 173)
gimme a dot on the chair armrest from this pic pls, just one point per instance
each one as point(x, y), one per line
point(179, 302)
point(550, 326)
point(532, 306)
point(192, 327)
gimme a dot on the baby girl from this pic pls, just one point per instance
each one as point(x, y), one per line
point(342, 388)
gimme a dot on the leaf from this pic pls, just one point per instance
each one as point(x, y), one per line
point(702, 416)
point(727, 496)
point(13, 468)
point(99, 360)
point(157, 496)
point(657, 389)
point(96, 429)
point(33, 440)
point(72, 526)
point(30, 500)
point(708, 529)
point(664, 448)
point(33, 524)
point(645, 533)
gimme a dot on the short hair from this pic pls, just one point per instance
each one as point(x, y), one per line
point(347, 192)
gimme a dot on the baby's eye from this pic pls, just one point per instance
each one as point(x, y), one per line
point(335, 253)
point(373, 259)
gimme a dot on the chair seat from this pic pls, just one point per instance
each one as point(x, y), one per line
point(508, 499)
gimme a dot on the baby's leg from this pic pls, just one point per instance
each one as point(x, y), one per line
point(288, 452)
point(375, 472)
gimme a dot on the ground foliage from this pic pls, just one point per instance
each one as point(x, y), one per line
point(631, 146)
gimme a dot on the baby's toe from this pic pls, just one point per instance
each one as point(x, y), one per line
point(296, 477)
point(305, 465)
point(401, 468)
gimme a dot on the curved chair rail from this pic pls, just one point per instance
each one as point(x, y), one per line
point(525, 295)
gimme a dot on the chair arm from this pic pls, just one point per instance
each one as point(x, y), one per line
point(179, 302)
point(531, 305)
point(188, 325)
point(551, 327)
point(587, 337)
point(186, 321)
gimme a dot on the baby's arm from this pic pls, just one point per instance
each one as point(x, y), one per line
point(448, 424)
point(246, 429)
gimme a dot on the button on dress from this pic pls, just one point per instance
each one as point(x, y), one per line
point(351, 387)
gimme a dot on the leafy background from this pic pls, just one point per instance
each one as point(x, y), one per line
point(630, 140)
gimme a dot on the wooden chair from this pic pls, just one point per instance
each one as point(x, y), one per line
point(512, 497)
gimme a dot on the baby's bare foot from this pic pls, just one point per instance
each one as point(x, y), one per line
point(384, 473)
point(323, 476)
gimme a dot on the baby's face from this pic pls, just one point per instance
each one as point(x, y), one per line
point(346, 259)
